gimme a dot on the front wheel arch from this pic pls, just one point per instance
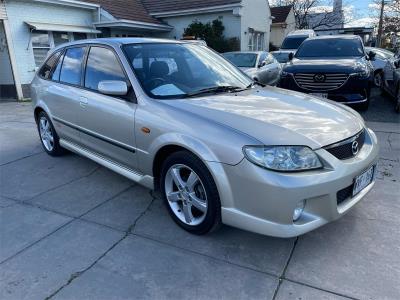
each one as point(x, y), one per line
point(160, 156)
point(36, 113)
point(188, 159)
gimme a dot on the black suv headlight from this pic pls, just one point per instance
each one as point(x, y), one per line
point(363, 72)
point(286, 74)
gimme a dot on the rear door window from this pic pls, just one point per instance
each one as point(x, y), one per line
point(102, 64)
point(71, 70)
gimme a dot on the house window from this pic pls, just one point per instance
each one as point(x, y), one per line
point(256, 41)
point(60, 38)
point(79, 36)
point(40, 46)
point(43, 41)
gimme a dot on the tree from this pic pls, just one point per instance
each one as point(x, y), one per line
point(390, 20)
point(213, 34)
point(312, 14)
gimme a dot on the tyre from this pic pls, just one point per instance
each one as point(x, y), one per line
point(190, 193)
point(378, 79)
point(48, 136)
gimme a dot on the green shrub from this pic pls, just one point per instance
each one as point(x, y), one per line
point(213, 34)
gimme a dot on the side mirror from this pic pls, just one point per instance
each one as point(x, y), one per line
point(291, 56)
point(113, 87)
point(371, 55)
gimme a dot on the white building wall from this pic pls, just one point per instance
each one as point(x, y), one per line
point(255, 14)
point(19, 12)
point(278, 33)
point(6, 76)
point(231, 23)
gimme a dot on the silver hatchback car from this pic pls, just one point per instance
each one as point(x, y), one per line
point(261, 66)
point(178, 117)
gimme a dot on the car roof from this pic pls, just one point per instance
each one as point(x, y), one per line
point(121, 41)
point(336, 36)
point(245, 52)
point(301, 32)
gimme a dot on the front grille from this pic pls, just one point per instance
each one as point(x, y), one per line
point(343, 150)
point(309, 81)
point(344, 194)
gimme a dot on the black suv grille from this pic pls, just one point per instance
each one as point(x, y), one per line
point(344, 149)
point(319, 82)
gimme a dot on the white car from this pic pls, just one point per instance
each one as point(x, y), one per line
point(261, 66)
point(382, 58)
point(291, 43)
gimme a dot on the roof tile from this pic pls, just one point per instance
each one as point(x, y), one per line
point(280, 13)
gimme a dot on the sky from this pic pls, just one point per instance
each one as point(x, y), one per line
point(360, 12)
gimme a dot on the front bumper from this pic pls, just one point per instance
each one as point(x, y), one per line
point(263, 201)
point(353, 91)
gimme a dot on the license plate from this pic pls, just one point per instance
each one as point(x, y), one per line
point(363, 180)
point(320, 95)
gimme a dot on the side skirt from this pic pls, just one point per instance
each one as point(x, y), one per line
point(145, 180)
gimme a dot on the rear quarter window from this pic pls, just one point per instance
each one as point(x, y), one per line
point(46, 71)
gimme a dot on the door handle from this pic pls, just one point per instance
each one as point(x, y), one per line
point(83, 102)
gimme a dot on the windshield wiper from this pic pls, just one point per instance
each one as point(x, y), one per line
point(216, 89)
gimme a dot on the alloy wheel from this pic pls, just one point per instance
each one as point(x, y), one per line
point(186, 194)
point(46, 133)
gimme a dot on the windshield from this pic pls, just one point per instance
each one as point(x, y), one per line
point(293, 42)
point(244, 60)
point(180, 70)
point(282, 57)
point(337, 47)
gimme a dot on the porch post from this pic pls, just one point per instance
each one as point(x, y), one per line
point(11, 53)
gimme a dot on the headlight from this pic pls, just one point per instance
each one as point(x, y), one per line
point(283, 158)
point(285, 74)
point(362, 73)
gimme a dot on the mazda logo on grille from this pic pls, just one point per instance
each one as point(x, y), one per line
point(354, 147)
point(319, 78)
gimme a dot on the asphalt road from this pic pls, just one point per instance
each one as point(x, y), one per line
point(70, 229)
point(381, 108)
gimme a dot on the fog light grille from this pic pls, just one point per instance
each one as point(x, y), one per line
point(344, 194)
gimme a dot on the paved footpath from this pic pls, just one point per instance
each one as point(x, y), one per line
point(70, 229)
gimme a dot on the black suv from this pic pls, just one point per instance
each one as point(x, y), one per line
point(334, 67)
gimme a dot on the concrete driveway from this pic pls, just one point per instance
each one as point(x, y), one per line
point(70, 229)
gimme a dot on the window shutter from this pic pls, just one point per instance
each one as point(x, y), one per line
point(3, 14)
